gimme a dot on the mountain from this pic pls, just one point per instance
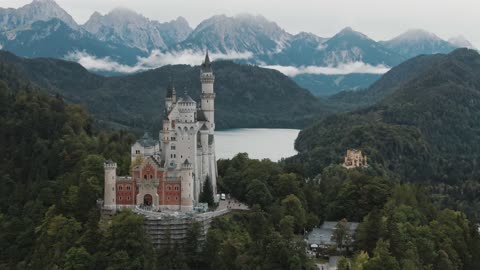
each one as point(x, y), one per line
point(426, 130)
point(38, 10)
point(460, 42)
point(123, 26)
point(416, 41)
point(247, 96)
point(351, 46)
point(302, 49)
point(54, 38)
point(242, 33)
point(123, 38)
point(391, 81)
point(328, 85)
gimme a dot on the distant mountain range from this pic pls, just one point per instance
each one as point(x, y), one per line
point(123, 38)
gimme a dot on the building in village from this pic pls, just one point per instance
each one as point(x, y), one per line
point(168, 173)
point(355, 159)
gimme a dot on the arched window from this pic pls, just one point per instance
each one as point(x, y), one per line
point(128, 187)
point(145, 177)
point(151, 176)
point(120, 188)
point(120, 198)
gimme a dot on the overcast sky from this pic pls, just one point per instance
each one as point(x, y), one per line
point(379, 19)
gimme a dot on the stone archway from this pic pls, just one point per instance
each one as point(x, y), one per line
point(147, 200)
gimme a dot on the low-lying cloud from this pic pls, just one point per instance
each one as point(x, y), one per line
point(341, 69)
point(189, 57)
point(154, 60)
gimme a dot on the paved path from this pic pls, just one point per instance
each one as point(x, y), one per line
point(231, 204)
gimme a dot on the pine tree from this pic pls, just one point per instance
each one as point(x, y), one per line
point(206, 196)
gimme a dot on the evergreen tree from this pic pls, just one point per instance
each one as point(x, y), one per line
point(206, 196)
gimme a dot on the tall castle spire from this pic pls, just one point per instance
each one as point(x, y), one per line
point(206, 65)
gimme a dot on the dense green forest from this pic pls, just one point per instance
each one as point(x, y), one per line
point(247, 96)
point(426, 130)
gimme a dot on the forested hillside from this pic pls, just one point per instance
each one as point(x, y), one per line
point(51, 174)
point(427, 128)
point(247, 96)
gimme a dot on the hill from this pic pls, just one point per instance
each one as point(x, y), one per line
point(391, 81)
point(247, 96)
point(427, 128)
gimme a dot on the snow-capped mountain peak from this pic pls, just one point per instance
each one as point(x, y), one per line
point(38, 10)
point(417, 35)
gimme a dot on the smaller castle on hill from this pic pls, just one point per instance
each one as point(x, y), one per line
point(355, 159)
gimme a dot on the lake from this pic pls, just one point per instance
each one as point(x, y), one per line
point(259, 143)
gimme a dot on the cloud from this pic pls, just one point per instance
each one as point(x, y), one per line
point(341, 69)
point(154, 60)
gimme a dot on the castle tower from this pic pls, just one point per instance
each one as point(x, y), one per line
point(186, 174)
point(208, 95)
point(204, 157)
point(110, 194)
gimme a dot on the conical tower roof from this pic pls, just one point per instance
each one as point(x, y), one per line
point(207, 65)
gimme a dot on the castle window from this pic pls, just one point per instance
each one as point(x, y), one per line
point(120, 188)
point(128, 187)
point(113, 188)
point(120, 198)
point(151, 176)
point(168, 198)
point(169, 188)
point(176, 188)
point(137, 152)
point(128, 198)
point(145, 176)
point(173, 147)
point(176, 198)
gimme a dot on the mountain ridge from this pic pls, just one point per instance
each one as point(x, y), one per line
point(247, 96)
point(246, 38)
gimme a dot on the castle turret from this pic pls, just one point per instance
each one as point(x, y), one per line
point(186, 174)
point(208, 95)
point(109, 195)
point(171, 97)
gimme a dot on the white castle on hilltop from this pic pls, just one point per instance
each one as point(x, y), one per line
point(169, 173)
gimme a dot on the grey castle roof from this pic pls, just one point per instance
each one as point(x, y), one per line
point(186, 99)
point(147, 141)
point(206, 66)
point(204, 127)
point(201, 116)
point(186, 162)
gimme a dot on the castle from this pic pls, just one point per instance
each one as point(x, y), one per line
point(169, 173)
point(355, 159)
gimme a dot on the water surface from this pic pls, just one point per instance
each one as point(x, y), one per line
point(259, 143)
